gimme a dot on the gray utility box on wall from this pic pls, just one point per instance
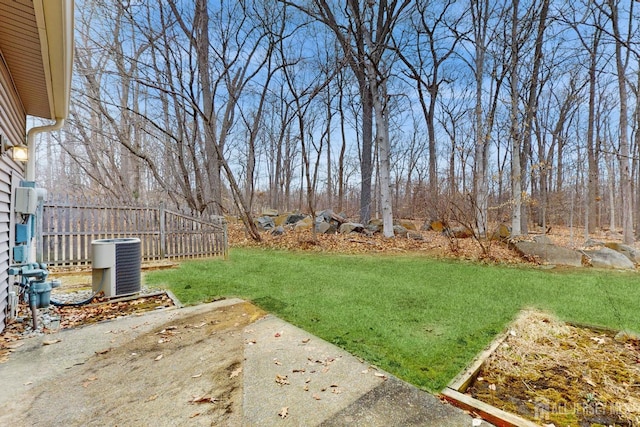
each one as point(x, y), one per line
point(116, 266)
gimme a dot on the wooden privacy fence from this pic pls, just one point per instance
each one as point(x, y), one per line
point(65, 232)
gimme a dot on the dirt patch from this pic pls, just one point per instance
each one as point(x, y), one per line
point(186, 372)
point(548, 371)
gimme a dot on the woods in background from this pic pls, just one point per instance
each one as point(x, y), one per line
point(525, 112)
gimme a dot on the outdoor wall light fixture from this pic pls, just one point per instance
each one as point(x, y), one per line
point(19, 153)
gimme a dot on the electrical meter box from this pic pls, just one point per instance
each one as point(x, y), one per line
point(26, 200)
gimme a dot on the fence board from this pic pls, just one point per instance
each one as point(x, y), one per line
point(68, 230)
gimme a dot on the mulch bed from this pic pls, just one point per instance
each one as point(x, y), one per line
point(558, 374)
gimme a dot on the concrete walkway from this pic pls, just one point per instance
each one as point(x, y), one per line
point(289, 377)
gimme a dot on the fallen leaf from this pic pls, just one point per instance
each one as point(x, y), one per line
point(277, 362)
point(250, 342)
point(282, 379)
point(336, 391)
point(203, 399)
point(236, 372)
point(49, 342)
point(28, 383)
point(196, 375)
point(306, 340)
point(316, 397)
point(195, 414)
point(299, 370)
point(159, 357)
point(379, 375)
point(88, 381)
point(284, 412)
point(151, 398)
point(278, 334)
point(107, 350)
point(306, 387)
point(15, 345)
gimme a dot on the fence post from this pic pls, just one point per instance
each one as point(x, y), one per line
point(163, 233)
point(225, 239)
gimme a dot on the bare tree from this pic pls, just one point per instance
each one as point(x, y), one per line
point(623, 138)
point(483, 13)
point(365, 36)
point(431, 47)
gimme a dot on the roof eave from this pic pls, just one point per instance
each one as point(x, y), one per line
point(55, 28)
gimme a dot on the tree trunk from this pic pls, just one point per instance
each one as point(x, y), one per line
point(514, 134)
point(382, 137)
point(593, 173)
point(623, 157)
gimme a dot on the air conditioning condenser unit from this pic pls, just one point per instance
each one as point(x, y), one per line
point(116, 266)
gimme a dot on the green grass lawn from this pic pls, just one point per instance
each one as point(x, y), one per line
point(421, 319)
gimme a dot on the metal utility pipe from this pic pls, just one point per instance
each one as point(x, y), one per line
point(31, 146)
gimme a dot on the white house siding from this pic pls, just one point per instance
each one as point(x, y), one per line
point(13, 128)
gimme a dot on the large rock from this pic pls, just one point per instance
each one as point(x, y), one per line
point(542, 238)
point(294, 218)
point(630, 252)
point(550, 254)
point(269, 212)
point(324, 215)
point(400, 231)
point(351, 227)
point(608, 258)
point(460, 232)
point(304, 224)
point(322, 227)
point(407, 224)
point(590, 243)
point(265, 223)
point(415, 235)
point(503, 233)
point(434, 225)
point(329, 215)
point(278, 231)
point(375, 225)
point(280, 219)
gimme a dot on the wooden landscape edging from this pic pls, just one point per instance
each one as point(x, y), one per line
point(454, 393)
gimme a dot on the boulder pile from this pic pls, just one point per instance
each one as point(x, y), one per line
point(539, 248)
point(610, 255)
point(329, 222)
